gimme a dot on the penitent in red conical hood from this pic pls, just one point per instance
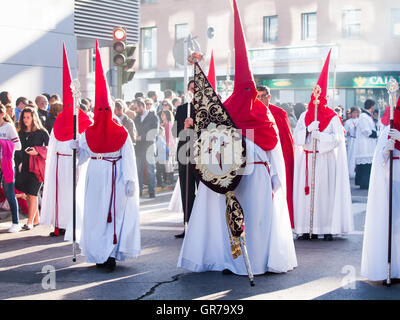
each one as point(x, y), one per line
point(105, 135)
point(247, 112)
point(211, 72)
point(325, 114)
point(64, 124)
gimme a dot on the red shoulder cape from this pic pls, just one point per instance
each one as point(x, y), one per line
point(287, 144)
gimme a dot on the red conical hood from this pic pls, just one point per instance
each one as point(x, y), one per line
point(246, 111)
point(242, 66)
point(68, 99)
point(211, 72)
point(105, 135)
point(325, 114)
point(64, 124)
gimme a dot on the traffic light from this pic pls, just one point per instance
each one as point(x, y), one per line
point(119, 45)
point(123, 54)
point(127, 71)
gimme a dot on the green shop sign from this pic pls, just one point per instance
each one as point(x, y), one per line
point(342, 81)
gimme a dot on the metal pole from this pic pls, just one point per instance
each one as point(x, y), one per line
point(317, 92)
point(185, 83)
point(392, 88)
point(76, 95)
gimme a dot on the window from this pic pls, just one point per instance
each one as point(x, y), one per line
point(352, 23)
point(181, 31)
point(309, 26)
point(271, 29)
point(149, 48)
point(396, 23)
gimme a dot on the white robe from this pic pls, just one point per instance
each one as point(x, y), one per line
point(175, 204)
point(375, 245)
point(97, 235)
point(332, 207)
point(268, 231)
point(65, 204)
point(351, 130)
point(364, 145)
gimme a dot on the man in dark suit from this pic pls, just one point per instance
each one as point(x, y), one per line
point(147, 126)
point(183, 122)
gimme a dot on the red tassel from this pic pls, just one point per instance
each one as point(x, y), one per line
point(109, 219)
point(56, 231)
point(115, 239)
point(307, 190)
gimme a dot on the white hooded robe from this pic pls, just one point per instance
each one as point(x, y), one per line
point(97, 235)
point(268, 231)
point(375, 245)
point(351, 130)
point(332, 207)
point(63, 177)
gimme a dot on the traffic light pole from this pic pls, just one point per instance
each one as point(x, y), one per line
point(119, 82)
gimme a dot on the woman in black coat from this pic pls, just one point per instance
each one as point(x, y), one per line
point(31, 134)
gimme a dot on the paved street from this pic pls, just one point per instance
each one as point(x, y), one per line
point(326, 270)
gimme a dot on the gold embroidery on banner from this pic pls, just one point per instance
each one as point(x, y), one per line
point(235, 222)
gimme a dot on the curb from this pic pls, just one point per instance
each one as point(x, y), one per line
point(5, 215)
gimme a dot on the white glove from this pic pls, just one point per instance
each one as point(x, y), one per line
point(129, 189)
point(394, 134)
point(389, 145)
point(74, 144)
point(313, 126)
point(316, 135)
point(275, 182)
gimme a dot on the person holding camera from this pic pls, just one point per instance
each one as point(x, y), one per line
point(30, 161)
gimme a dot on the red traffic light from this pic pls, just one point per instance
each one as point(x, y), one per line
point(119, 34)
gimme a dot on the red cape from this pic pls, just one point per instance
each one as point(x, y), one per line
point(104, 135)
point(287, 144)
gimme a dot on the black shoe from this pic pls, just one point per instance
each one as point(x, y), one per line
point(180, 236)
point(61, 232)
point(328, 237)
point(226, 272)
point(110, 264)
point(152, 195)
point(392, 281)
point(306, 236)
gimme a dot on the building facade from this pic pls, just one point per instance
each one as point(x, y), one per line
point(31, 55)
point(33, 33)
point(288, 41)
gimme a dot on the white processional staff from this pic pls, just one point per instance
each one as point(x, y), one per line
point(316, 93)
point(392, 88)
point(75, 86)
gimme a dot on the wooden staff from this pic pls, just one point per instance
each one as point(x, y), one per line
point(392, 87)
point(317, 93)
point(77, 95)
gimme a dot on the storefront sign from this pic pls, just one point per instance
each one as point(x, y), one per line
point(342, 81)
